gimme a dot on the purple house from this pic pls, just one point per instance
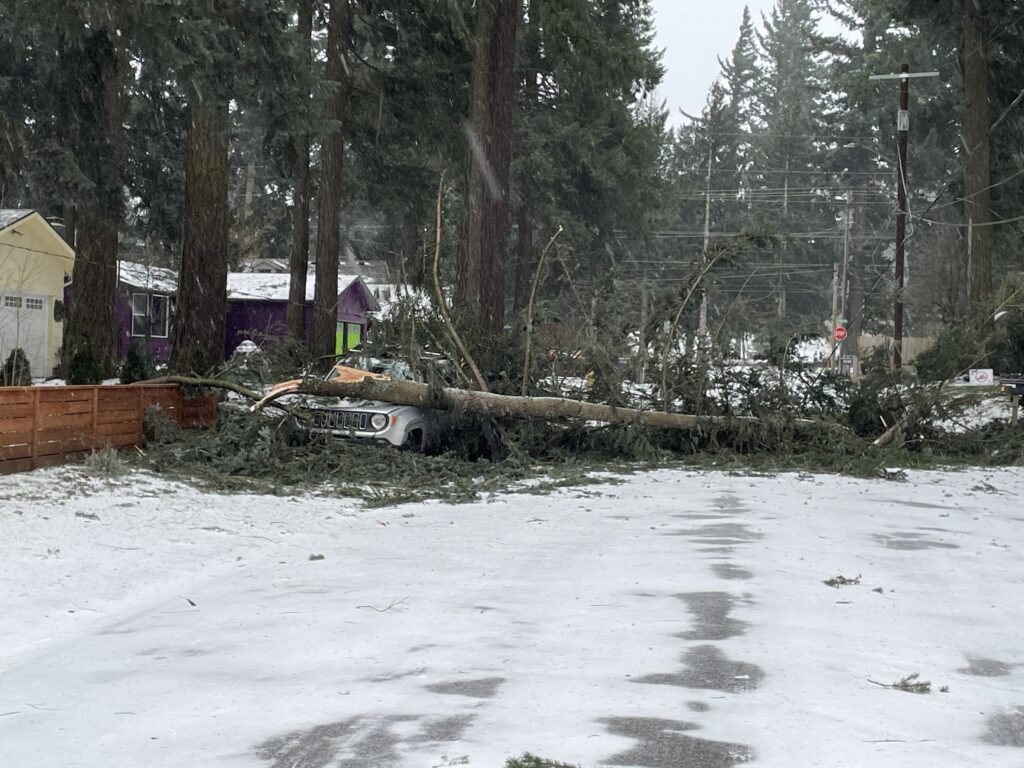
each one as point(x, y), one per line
point(257, 308)
point(144, 308)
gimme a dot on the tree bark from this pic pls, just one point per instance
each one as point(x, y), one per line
point(481, 265)
point(91, 325)
point(977, 213)
point(524, 241)
point(510, 406)
point(328, 236)
point(299, 264)
point(524, 248)
point(202, 280)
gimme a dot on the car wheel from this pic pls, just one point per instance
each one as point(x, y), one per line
point(413, 441)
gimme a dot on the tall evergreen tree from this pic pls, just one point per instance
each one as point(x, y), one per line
point(788, 149)
point(328, 237)
point(481, 266)
point(299, 260)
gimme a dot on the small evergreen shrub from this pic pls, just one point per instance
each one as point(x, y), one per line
point(16, 371)
point(106, 463)
point(137, 365)
point(83, 369)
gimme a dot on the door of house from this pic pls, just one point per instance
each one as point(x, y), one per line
point(23, 323)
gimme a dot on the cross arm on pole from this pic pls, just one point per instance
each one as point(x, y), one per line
point(903, 75)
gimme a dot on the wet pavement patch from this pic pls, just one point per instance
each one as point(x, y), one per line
point(353, 743)
point(666, 744)
point(1006, 729)
point(907, 540)
point(730, 503)
point(387, 678)
point(718, 537)
point(711, 616)
point(445, 728)
point(698, 706)
point(731, 572)
point(710, 669)
point(358, 742)
point(985, 667)
point(485, 688)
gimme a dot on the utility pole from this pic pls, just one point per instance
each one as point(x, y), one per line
point(641, 373)
point(902, 130)
point(843, 286)
point(702, 327)
point(835, 316)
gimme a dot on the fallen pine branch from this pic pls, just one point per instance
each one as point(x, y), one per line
point(230, 386)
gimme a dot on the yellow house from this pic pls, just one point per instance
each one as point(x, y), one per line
point(35, 262)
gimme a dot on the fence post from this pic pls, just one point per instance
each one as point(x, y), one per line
point(95, 415)
point(35, 426)
point(141, 417)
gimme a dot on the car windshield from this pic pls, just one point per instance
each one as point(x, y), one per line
point(396, 369)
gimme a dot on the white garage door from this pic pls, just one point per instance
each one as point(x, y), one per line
point(23, 323)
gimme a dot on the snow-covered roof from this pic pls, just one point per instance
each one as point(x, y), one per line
point(268, 286)
point(159, 279)
point(242, 286)
point(9, 216)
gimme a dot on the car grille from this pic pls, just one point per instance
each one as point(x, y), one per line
point(352, 420)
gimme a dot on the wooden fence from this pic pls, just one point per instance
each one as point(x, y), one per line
point(44, 426)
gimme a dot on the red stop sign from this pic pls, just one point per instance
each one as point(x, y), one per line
point(839, 333)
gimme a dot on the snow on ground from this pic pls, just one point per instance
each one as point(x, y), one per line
point(676, 619)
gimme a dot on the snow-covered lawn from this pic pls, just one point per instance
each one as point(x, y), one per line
point(677, 619)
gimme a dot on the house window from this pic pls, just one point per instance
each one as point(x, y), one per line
point(150, 315)
point(33, 303)
point(12, 302)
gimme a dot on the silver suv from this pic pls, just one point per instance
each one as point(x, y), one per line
point(403, 426)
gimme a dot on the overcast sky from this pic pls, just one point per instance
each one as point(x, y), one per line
point(693, 35)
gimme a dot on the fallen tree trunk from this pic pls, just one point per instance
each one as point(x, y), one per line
point(484, 403)
point(511, 406)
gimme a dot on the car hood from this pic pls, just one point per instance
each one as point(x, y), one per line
point(342, 373)
point(339, 403)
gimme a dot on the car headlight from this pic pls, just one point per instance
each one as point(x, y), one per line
point(378, 421)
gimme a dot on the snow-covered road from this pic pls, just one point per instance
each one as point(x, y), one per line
point(677, 619)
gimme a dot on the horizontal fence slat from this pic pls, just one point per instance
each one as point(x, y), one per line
point(78, 420)
point(56, 459)
point(15, 465)
point(17, 438)
point(16, 451)
point(119, 428)
point(65, 445)
point(15, 396)
point(15, 410)
point(64, 394)
point(14, 424)
point(65, 409)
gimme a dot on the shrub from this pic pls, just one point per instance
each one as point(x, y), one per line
point(16, 371)
point(137, 365)
point(106, 462)
point(83, 369)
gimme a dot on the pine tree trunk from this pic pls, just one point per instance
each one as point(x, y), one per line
point(202, 279)
point(524, 244)
point(328, 237)
point(299, 265)
point(977, 170)
point(481, 267)
point(525, 251)
point(91, 326)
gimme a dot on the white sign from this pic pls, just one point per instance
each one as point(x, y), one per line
point(981, 377)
